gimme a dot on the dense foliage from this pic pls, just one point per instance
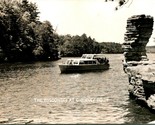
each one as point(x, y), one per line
point(25, 38)
point(77, 45)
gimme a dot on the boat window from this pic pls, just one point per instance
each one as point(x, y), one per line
point(91, 62)
point(71, 62)
point(81, 62)
point(75, 62)
point(68, 61)
point(87, 62)
point(88, 57)
point(83, 56)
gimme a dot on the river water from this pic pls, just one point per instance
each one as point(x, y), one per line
point(38, 93)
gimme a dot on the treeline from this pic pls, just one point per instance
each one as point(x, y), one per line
point(78, 45)
point(25, 38)
point(111, 47)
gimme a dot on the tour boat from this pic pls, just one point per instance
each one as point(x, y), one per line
point(88, 62)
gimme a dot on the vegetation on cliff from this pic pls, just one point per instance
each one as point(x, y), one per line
point(25, 38)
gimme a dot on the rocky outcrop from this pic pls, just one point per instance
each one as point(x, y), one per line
point(139, 29)
point(140, 70)
point(142, 82)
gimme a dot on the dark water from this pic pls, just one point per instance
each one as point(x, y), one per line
point(39, 92)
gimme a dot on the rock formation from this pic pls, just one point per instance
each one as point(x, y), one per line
point(140, 70)
point(139, 29)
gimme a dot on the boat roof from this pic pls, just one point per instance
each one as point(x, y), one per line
point(93, 55)
point(83, 59)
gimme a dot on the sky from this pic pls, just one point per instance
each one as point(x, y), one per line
point(95, 18)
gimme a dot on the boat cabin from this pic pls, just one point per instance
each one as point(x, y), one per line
point(81, 61)
point(99, 57)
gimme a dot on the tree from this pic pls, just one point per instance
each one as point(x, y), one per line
point(47, 40)
point(78, 45)
point(121, 3)
point(23, 36)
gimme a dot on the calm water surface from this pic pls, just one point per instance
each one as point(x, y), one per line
point(38, 91)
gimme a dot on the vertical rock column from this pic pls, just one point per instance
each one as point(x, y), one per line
point(139, 29)
point(140, 71)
